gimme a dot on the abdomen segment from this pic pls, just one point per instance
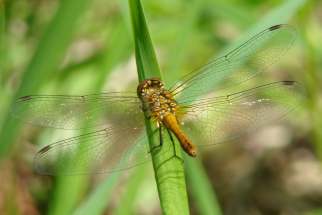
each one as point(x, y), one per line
point(171, 123)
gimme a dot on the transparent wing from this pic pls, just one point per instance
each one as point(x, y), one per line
point(103, 151)
point(73, 112)
point(220, 119)
point(253, 56)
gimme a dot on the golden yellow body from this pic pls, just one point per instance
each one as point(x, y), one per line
point(159, 104)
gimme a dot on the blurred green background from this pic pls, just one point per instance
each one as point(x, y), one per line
point(82, 47)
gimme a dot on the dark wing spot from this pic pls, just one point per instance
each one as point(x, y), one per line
point(288, 82)
point(44, 150)
point(24, 98)
point(274, 27)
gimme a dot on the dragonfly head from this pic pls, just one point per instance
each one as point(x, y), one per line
point(151, 84)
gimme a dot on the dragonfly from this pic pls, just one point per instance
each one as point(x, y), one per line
point(203, 109)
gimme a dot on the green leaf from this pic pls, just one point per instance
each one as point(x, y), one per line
point(201, 189)
point(99, 198)
point(146, 61)
point(131, 192)
point(185, 31)
point(66, 195)
point(46, 60)
point(169, 172)
point(2, 39)
point(198, 181)
point(279, 15)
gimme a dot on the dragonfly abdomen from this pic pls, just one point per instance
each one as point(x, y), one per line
point(170, 121)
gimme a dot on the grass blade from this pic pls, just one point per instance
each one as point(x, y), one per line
point(202, 191)
point(2, 39)
point(46, 60)
point(97, 201)
point(200, 185)
point(102, 68)
point(93, 204)
point(170, 174)
point(279, 15)
point(146, 61)
point(131, 192)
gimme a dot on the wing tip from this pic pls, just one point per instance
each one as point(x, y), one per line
point(288, 82)
point(44, 149)
point(24, 98)
point(283, 25)
point(274, 27)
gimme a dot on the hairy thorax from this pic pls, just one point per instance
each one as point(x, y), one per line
point(157, 101)
point(159, 104)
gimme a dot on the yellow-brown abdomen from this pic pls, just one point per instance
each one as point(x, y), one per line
point(171, 122)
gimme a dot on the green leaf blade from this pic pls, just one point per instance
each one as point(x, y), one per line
point(169, 172)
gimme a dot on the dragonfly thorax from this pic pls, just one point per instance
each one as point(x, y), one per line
point(157, 101)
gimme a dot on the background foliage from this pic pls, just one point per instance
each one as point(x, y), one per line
point(82, 47)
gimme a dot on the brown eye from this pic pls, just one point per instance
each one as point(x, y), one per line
point(167, 95)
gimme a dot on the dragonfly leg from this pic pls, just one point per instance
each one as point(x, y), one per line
point(173, 146)
point(158, 147)
point(174, 150)
point(146, 112)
